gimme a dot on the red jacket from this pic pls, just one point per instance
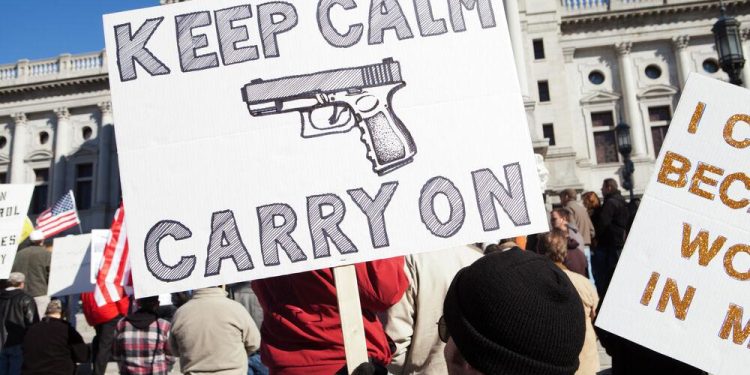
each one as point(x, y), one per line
point(301, 326)
point(96, 315)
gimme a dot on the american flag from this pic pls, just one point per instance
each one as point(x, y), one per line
point(61, 216)
point(115, 266)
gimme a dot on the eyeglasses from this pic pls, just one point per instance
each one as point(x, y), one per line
point(443, 330)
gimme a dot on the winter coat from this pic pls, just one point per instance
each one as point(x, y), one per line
point(412, 322)
point(33, 262)
point(611, 228)
point(53, 347)
point(96, 315)
point(18, 312)
point(213, 334)
point(302, 327)
point(580, 217)
point(589, 356)
point(576, 259)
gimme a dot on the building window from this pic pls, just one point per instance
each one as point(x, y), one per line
point(3, 142)
point(84, 185)
point(39, 197)
point(86, 132)
point(652, 71)
point(3, 177)
point(605, 143)
point(710, 66)
point(596, 77)
point(659, 118)
point(543, 87)
point(538, 49)
point(43, 138)
point(549, 133)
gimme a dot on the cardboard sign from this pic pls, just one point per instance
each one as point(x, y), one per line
point(70, 268)
point(14, 204)
point(268, 138)
point(99, 238)
point(680, 287)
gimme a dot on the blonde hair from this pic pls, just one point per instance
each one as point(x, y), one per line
point(555, 245)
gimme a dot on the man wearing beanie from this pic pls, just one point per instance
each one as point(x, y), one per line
point(512, 312)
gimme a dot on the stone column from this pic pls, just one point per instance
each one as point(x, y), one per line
point(105, 152)
point(680, 44)
point(513, 18)
point(62, 149)
point(632, 114)
point(746, 51)
point(20, 143)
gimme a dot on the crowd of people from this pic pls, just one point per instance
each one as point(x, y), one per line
point(517, 306)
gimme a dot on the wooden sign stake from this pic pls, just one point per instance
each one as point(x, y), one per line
point(350, 310)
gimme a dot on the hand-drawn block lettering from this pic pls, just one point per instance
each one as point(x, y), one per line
point(154, 261)
point(131, 48)
point(512, 199)
point(441, 186)
point(187, 43)
point(374, 209)
point(270, 28)
point(226, 243)
point(327, 226)
point(229, 36)
point(329, 33)
point(272, 236)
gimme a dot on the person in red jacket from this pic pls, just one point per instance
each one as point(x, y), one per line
point(301, 331)
point(104, 320)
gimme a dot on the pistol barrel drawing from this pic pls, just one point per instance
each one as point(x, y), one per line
point(337, 100)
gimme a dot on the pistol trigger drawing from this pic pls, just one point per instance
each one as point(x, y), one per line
point(335, 101)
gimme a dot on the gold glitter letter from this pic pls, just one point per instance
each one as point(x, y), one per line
point(729, 257)
point(649, 291)
point(681, 305)
point(697, 114)
point(730, 126)
point(733, 323)
point(700, 176)
point(705, 255)
point(725, 187)
point(667, 168)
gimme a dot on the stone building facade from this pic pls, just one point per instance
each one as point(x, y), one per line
point(584, 66)
point(590, 64)
point(56, 132)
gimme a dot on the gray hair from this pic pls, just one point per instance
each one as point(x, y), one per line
point(16, 279)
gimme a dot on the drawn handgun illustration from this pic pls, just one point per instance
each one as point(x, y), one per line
point(335, 101)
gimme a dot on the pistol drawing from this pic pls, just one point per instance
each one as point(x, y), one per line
point(335, 101)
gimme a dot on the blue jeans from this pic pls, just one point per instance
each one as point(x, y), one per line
point(11, 359)
point(255, 366)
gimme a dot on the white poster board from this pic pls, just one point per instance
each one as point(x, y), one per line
point(681, 285)
point(14, 204)
point(70, 267)
point(99, 239)
point(281, 138)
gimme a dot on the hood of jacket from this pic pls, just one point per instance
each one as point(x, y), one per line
point(142, 319)
point(8, 294)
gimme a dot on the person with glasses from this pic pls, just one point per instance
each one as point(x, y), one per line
point(512, 312)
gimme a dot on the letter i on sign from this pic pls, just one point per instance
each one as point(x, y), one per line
point(681, 304)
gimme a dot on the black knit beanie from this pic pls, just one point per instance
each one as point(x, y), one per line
point(516, 312)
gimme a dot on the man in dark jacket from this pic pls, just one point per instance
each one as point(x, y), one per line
point(611, 230)
point(34, 262)
point(18, 312)
point(53, 346)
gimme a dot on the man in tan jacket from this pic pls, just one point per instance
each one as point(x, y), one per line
point(213, 334)
point(412, 322)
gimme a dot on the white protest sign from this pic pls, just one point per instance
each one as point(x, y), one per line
point(681, 285)
point(271, 138)
point(14, 203)
point(99, 239)
point(70, 267)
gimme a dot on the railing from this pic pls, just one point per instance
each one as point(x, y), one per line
point(577, 7)
point(60, 67)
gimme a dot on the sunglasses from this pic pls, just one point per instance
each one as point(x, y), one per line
point(443, 330)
